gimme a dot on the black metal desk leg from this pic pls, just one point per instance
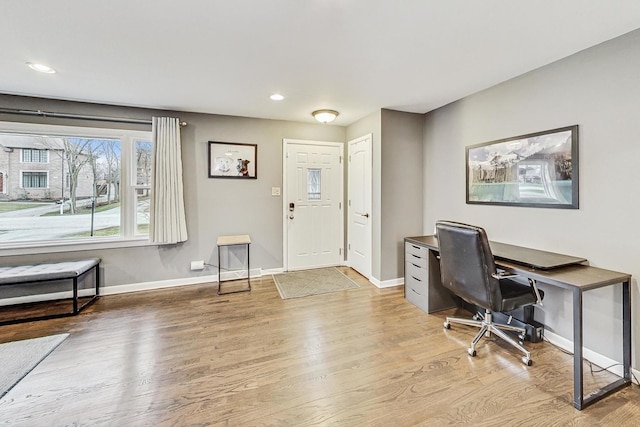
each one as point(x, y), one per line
point(577, 349)
point(581, 401)
point(626, 330)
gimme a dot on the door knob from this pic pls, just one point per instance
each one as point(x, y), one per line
point(365, 215)
point(290, 216)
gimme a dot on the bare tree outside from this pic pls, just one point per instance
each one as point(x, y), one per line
point(144, 161)
point(76, 154)
point(111, 157)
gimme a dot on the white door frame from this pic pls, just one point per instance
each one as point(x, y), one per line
point(285, 207)
point(367, 274)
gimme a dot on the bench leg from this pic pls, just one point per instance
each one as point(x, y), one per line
point(75, 295)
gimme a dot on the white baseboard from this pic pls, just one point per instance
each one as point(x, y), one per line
point(590, 355)
point(160, 284)
point(147, 286)
point(387, 283)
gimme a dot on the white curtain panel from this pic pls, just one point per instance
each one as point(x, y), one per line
point(167, 222)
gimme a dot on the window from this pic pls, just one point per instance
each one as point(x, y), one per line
point(89, 185)
point(34, 155)
point(35, 179)
point(143, 185)
point(313, 184)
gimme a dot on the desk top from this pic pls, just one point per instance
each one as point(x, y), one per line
point(241, 239)
point(565, 275)
point(534, 258)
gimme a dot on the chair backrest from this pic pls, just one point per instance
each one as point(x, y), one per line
point(466, 264)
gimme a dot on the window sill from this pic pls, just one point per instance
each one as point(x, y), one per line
point(32, 248)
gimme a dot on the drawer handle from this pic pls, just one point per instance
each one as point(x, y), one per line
point(416, 278)
point(417, 266)
point(415, 256)
point(414, 291)
point(415, 247)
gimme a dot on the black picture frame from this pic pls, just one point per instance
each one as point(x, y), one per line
point(539, 170)
point(232, 160)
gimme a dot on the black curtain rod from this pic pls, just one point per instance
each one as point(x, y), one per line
point(78, 116)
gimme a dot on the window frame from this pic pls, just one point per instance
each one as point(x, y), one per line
point(22, 172)
point(31, 150)
point(128, 230)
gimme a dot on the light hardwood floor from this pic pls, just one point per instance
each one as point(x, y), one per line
point(363, 357)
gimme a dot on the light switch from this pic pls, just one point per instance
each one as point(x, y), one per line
point(275, 191)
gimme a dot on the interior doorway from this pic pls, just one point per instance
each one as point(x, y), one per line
point(359, 205)
point(312, 204)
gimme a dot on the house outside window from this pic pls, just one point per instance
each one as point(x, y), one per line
point(82, 185)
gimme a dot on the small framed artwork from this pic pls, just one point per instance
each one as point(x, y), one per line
point(536, 170)
point(233, 160)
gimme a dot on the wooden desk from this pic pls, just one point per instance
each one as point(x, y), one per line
point(569, 274)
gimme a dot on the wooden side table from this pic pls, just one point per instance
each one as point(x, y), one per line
point(238, 240)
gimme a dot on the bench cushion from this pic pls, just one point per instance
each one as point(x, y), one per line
point(46, 271)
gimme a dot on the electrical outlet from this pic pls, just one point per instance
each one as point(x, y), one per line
point(275, 191)
point(197, 265)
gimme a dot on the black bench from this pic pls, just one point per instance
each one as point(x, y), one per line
point(47, 272)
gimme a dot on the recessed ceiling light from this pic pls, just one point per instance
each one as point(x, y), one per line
point(41, 67)
point(276, 97)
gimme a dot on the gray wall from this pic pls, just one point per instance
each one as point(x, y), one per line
point(402, 187)
point(599, 90)
point(214, 206)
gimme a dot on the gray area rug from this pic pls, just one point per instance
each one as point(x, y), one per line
point(296, 284)
point(18, 358)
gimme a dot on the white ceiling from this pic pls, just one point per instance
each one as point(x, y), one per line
point(228, 56)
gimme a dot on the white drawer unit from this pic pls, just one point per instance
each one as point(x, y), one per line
point(415, 255)
point(422, 286)
point(416, 275)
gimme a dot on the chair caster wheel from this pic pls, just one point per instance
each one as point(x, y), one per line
point(521, 337)
point(527, 361)
point(446, 325)
point(471, 352)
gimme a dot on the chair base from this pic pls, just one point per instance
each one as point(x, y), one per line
point(487, 327)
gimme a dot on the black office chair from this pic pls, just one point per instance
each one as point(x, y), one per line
point(469, 271)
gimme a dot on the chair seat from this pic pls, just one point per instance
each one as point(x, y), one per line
point(515, 294)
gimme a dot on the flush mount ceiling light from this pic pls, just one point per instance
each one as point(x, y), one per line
point(325, 116)
point(41, 67)
point(276, 97)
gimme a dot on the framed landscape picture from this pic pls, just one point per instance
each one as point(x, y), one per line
point(233, 160)
point(535, 170)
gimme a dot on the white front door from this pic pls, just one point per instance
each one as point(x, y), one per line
point(359, 206)
point(313, 204)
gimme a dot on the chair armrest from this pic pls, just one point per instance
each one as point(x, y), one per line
point(502, 274)
point(532, 282)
